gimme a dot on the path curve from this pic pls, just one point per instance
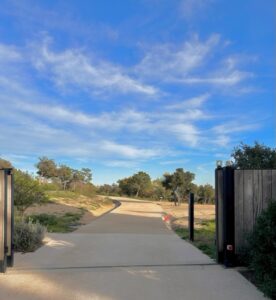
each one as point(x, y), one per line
point(129, 253)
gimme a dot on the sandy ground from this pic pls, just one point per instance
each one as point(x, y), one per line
point(94, 207)
point(202, 212)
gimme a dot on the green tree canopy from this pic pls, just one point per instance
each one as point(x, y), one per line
point(254, 157)
point(27, 191)
point(206, 193)
point(65, 175)
point(47, 168)
point(86, 175)
point(136, 185)
point(180, 181)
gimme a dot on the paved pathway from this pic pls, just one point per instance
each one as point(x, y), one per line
point(127, 254)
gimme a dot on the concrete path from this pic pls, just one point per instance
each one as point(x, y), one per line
point(127, 254)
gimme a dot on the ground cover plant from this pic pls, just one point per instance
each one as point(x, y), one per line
point(204, 237)
point(62, 223)
point(262, 251)
point(28, 236)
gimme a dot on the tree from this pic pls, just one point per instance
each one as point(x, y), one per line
point(136, 185)
point(206, 194)
point(109, 190)
point(27, 191)
point(86, 174)
point(80, 177)
point(159, 192)
point(47, 168)
point(254, 157)
point(179, 181)
point(5, 163)
point(65, 175)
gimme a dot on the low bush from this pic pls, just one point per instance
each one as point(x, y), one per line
point(262, 256)
point(28, 236)
point(54, 223)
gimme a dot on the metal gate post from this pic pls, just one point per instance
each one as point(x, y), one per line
point(228, 217)
point(219, 214)
point(10, 217)
point(225, 218)
point(3, 216)
point(191, 217)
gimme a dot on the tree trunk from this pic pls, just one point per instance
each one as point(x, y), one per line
point(137, 193)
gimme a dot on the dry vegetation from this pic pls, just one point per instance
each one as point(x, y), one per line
point(202, 212)
point(62, 203)
point(204, 233)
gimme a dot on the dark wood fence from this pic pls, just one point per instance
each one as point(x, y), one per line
point(253, 190)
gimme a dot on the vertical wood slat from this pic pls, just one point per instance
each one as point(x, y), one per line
point(238, 182)
point(257, 194)
point(274, 185)
point(267, 187)
point(2, 203)
point(248, 215)
point(254, 190)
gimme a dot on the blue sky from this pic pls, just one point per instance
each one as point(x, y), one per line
point(122, 86)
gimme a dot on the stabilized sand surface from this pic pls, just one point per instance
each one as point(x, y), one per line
point(129, 254)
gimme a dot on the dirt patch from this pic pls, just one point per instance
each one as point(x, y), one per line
point(202, 212)
point(91, 208)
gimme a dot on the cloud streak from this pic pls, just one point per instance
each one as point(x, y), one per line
point(72, 68)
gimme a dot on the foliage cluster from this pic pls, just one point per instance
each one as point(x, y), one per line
point(54, 223)
point(27, 191)
point(63, 175)
point(28, 236)
point(254, 157)
point(262, 251)
point(141, 185)
point(204, 237)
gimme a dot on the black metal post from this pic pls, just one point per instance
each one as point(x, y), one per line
point(3, 221)
point(10, 205)
point(191, 217)
point(219, 213)
point(228, 216)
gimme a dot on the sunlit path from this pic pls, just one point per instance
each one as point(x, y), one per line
point(126, 254)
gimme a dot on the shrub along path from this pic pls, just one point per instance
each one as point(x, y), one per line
point(126, 254)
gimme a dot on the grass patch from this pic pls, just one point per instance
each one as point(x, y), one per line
point(204, 237)
point(63, 194)
point(53, 223)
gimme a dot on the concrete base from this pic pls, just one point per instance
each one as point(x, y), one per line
point(127, 254)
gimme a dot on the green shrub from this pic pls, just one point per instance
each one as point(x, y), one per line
point(262, 245)
point(27, 191)
point(28, 236)
point(53, 223)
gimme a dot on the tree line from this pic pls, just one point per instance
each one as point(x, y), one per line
point(53, 176)
point(63, 175)
point(178, 182)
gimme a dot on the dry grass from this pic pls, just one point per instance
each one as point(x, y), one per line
point(62, 203)
point(202, 212)
point(204, 233)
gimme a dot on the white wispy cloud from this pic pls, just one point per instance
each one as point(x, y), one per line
point(195, 63)
point(235, 127)
point(9, 53)
point(194, 102)
point(72, 68)
point(121, 163)
point(190, 9)
point(188, 133)
point(169, 62)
